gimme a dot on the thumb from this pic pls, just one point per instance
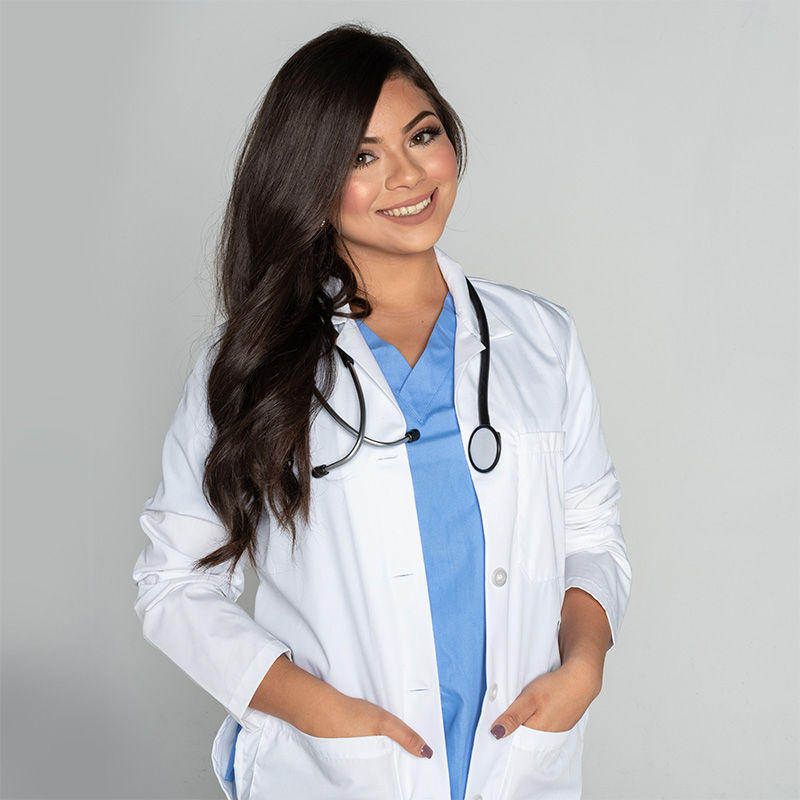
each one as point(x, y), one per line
point(521, 710)
point(406, 737)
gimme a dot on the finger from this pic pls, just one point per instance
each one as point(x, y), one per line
point(520, 711)
point(406, 737)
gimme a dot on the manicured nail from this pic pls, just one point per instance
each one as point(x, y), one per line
point(426, 751)
point(498, 731)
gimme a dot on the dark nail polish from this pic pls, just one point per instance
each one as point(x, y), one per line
point(426, 751)
point(498, 731)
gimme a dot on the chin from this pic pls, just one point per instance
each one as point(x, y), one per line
point(405, 244)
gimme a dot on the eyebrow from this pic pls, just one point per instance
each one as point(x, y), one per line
point(406, 128)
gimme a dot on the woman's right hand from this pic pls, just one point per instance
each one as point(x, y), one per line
point(317, 709)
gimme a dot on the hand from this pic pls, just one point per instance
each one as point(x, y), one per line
point(557, 700)
point(348, 716)
point(553, 702)
point(314, 707)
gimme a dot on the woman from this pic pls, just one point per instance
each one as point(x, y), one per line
point(433, 614)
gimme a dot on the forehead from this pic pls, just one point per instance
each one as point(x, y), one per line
point(399, 102)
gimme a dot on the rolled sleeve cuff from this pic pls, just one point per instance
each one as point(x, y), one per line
point(239, 706)
point(607, 579)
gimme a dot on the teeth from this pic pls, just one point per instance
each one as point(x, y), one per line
point(408, 211)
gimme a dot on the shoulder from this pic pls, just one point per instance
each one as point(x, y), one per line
point(526, 312)
point(194, 400)
point(206, 352)
point(510, 297)
point(539, 322)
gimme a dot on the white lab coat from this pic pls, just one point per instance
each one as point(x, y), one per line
point(351, 604)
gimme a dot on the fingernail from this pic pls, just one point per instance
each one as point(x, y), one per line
point(426, 751)
point(498, 731)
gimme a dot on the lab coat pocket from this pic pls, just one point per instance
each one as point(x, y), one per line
point(544, 765)
point(540, 520)
point(290, 765)
point(220, 755)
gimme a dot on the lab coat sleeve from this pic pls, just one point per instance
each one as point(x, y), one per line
point(190, 614)
point(596, 559)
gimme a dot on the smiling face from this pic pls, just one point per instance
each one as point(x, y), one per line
point(403, 182)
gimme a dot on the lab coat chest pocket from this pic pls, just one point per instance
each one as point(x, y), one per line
point(540, 521)
point(290, 765)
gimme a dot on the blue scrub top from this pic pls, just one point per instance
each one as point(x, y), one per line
point(451, 530)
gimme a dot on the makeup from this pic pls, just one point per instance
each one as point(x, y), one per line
point(417, 218)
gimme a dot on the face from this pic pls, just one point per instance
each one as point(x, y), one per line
point(404, 179)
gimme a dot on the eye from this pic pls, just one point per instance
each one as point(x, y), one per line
point(363, 160)
point(425, 136)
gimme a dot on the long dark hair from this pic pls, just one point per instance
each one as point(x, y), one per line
point(277, 264)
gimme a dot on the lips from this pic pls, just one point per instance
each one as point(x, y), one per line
point(411, 212)
point(409, 208)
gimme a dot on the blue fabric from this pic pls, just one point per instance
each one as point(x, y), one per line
point(451, 529)
point(229, 774)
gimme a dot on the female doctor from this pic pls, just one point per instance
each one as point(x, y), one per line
point(413, 463)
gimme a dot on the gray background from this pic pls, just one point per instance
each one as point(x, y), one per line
point(635, 162)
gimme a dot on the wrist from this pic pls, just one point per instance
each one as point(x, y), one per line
point(585, 673)
point(321, 706)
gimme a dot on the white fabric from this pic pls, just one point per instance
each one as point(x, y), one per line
point(351, 605)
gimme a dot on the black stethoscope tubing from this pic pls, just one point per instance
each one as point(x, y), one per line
point(359, 433)
point(484, 443)
point(484, 431)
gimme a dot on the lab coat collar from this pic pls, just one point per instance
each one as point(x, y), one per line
point(457, 284)
point(468, 340)
point(354, 344)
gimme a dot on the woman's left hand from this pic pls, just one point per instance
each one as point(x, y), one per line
point(554, 701)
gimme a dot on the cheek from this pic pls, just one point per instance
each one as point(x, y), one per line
point(355, 199)
point(447, 165)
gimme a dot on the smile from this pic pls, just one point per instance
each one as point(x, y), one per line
point(408, 211)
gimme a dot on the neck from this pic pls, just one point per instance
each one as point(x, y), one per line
point(400, 284)
point(406, 294)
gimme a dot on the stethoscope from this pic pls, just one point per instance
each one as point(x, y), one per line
point(484, 443)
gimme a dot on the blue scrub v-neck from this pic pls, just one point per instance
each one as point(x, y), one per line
point(451, 530)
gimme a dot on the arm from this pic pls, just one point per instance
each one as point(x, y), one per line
point(189, 614)
point(597, 573)
point(584, 638)
point(556, 700)
point(192, 615)
point(316, 708)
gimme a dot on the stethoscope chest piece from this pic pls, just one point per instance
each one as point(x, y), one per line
point(484, 448)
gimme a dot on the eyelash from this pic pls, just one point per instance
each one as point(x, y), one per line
point(433, 131)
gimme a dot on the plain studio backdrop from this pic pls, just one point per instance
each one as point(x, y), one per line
point(635, 162)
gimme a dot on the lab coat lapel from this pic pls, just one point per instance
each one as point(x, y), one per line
point(468, 339)
point(353, 343)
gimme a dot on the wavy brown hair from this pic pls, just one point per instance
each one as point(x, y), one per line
point(281, 278)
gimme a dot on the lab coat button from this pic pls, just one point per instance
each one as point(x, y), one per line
point(493, 691)
point(478, 797)
point(499, 577)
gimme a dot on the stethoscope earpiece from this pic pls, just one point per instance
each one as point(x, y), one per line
point(484, 444)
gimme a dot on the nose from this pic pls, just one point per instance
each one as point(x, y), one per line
point(404, 171)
